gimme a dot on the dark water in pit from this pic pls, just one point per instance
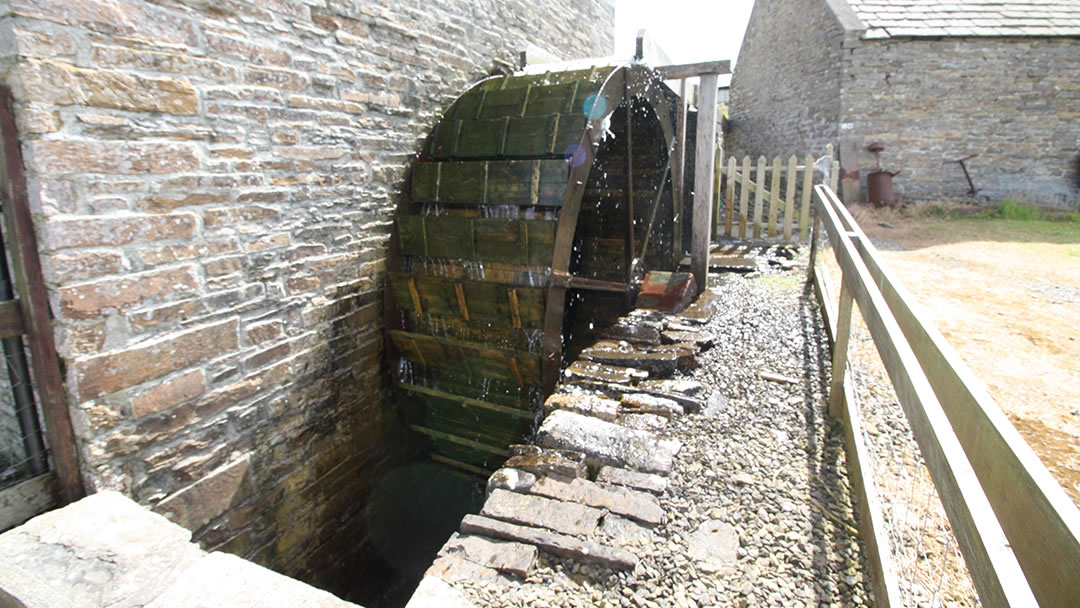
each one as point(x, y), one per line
point(418, 506)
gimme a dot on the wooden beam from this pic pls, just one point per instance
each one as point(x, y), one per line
point(689, 70)
point(992, 563)
point(630, 246)
point(1040, 521)
point(35, 308)
point(678, 173)
point(705, 151)
point(469, 443)
point(26, 499)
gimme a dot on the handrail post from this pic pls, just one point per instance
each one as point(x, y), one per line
point(839, 355)
point(815, 229)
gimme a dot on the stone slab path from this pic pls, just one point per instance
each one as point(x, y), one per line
point(685, 460)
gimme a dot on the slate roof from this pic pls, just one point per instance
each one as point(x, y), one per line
point(888, 18)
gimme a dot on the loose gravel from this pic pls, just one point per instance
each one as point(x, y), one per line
point(765, 459)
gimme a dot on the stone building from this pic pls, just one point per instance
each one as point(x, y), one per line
point(933, 81)
point(213, 186)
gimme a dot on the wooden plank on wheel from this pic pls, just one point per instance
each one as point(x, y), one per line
point(481, 138)
point(425, 182)
point(545, 100)
point(531, 136)
point(462, 183)
point(449, 236)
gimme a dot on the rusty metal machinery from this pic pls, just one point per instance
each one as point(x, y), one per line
point(536, 204)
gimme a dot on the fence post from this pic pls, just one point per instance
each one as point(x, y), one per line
point(839, 355)
point(744, 195)
point(703, 179)
point(729, 207)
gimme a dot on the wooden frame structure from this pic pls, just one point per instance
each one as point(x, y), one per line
point(29, 316)
point(704, 157)
point(1018, 531)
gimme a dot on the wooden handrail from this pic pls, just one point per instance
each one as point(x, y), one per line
point(994, 566)
point(1040, 521)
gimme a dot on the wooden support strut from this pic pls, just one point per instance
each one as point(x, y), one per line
point(703, 179)
point(35, 308)
point(630, 248)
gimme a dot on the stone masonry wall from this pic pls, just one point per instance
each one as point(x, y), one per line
point(785, 91)
point(1014, 101)
point(214, 186)
point(805, 78)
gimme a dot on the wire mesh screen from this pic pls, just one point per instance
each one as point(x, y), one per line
point(23, 452)
point(22, 449)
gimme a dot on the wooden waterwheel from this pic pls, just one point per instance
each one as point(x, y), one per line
point(536, 204)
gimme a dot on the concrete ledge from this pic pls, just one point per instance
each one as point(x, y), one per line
point(106, 550)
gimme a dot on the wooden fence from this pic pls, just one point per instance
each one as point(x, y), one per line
point(1018, 531)
point(779, 203)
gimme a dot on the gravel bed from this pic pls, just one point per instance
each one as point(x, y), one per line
point(766, 460)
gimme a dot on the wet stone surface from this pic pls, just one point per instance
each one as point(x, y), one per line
point(755, 508)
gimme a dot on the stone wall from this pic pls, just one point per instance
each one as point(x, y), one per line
point(214, 186)
point(806, 78)
point(1014, 101)
point(786, 87)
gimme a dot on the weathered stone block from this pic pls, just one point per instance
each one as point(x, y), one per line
point(510, 479)
point(73, 156)
point(143, 22)
point(66, 267)
point(168, 393)
point(160, 61)
point(110, 372)
point(232, 215)
point(232, 581)
point(629, 503)
point(607, 443)
point(593, 370)
point(556, 544)
point(117, 230)
point(584, 403)
point(198, 504)
point(66, 85)
point(643, 403)
point(90, 300)
point(632, 479)
point(714, 546)
point(101, 551)
point(510, 557)
point(541, 462)
point(563, 517)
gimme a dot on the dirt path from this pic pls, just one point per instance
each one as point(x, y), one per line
point(1006, 295)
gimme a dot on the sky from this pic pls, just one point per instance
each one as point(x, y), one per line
point(689, 31)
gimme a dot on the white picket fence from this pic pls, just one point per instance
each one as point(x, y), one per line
point(778, 206)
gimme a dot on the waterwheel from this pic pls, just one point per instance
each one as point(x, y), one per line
point(535, 206)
